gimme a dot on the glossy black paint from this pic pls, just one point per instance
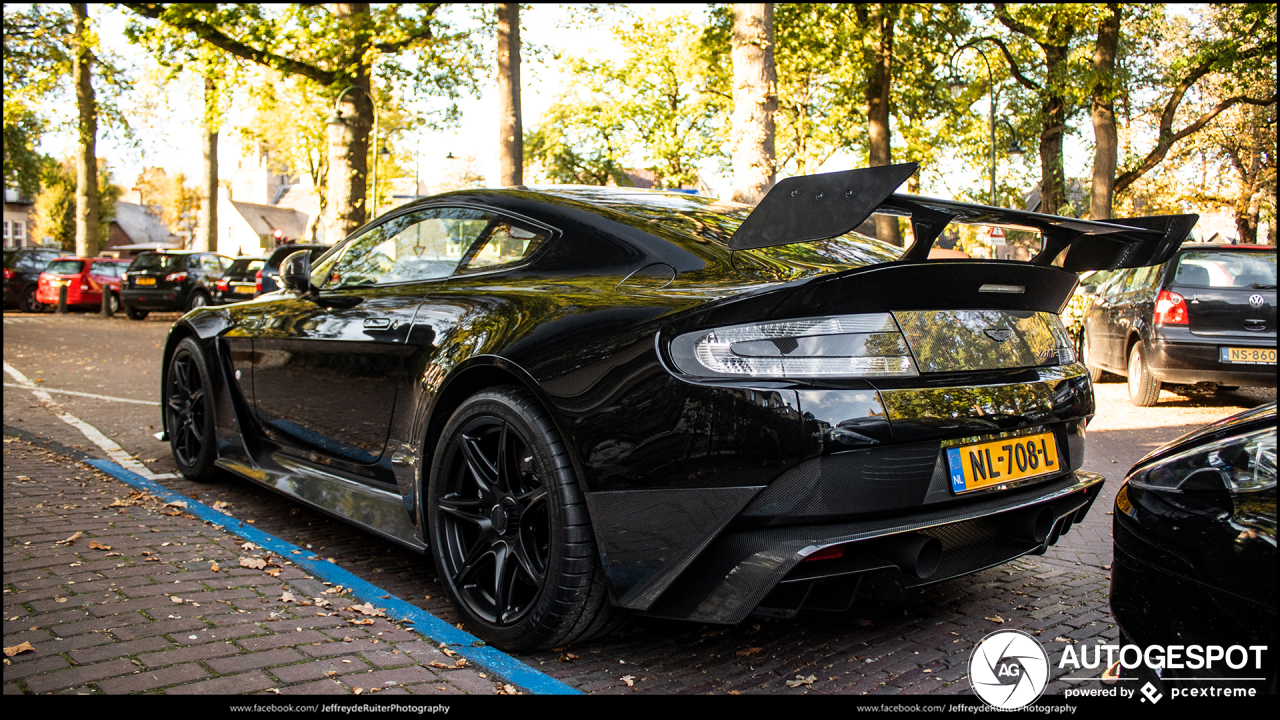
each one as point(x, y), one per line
point(271, 269)
point(338, 397)
point(1198, 567)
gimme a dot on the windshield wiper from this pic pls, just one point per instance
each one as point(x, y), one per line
point(1263, 286)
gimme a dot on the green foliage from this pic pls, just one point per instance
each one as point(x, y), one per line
point(650, 110)
point(55, 205)
point(175, 201)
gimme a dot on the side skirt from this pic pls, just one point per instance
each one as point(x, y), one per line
point(380, 512)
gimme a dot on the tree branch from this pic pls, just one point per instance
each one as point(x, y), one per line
point(1022, 79)
point(421, 32)
point(220, 40)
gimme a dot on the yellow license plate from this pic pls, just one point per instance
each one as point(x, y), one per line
point(144, 281)
point(981, 465)
point(243, 287)
point(1249, 356)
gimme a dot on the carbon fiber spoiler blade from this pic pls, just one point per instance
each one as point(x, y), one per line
point(818, 207)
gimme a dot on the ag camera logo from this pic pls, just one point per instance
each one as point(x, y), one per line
point(1009, 669)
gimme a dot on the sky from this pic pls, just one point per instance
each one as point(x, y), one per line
point(169, 136)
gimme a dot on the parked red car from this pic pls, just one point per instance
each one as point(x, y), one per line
point(84, 278)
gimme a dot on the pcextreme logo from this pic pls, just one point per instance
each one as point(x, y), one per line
point(1009, 669)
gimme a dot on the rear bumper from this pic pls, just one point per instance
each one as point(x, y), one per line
point(1185, 358)
point(762, 571)
point(165, 299)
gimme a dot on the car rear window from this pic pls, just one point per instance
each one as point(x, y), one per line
point(160, 262)
point(65, 267)
point(1225, 269)
point(244, 265)
point(28, 260)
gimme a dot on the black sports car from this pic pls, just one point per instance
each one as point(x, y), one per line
point(1195, 554)
point(587, 400)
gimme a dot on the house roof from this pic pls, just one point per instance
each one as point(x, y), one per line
point(264, 219)
point(140, 225)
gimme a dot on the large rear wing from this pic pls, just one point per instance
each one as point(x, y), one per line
point(818, 207)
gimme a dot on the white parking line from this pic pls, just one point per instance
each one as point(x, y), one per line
point(85, 394)
point(109, 446)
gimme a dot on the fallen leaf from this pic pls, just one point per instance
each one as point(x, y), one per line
point(630, 680)
point(369, 609)
point(24, 647)
point(366, 621)
point(460, 663)
point(357, 691)
point(802, 680)
point(749, 651)
point(177, 503)
point(996, 619)
point(438, 664)
point(273, 572)
point(287, 597)
point(59, 599)
point(114, 554)
point(1061, 639)
point(248, 546)
point(71, 539)
point(176, 599)
point(213, 565)
point(255, 563)
point(221, 504)
point(95, 545)
point(447, 651)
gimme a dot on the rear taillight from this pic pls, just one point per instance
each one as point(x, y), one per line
point(830, 553)
point(1171, 309)
point(837, 346)
point(257, 283)
point(8, 274)
point(176, 277)
point(223, 284)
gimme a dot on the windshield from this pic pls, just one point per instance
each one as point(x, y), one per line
point(65, 267)
point(246, 265)
point(155, 261)
point(1226, 269)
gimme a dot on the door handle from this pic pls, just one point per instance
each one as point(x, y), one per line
point(377, 323)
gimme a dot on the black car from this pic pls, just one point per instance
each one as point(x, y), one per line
point(239, 282)
point(22, 268)
point(1206, 317)
point(1195, 553)
point(271, 269)
point(582, 401)
point(171, 280)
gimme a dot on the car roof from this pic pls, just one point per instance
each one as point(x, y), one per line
point(1225, 246)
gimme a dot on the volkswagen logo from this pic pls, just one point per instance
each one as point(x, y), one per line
point(999, 334)
point(1257, 301)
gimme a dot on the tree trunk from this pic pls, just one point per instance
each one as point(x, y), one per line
point(87, 242)
point(1102, 191)
point(349, 142)
point(1053, 124)
point(510, 132)
point(207, 232)
point(755, 101)
point(879, 84)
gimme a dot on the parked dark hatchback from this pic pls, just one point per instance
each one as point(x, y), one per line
point(1195, 551)
point(267, 276)
point(1208, 316)
point(239, 282)
point(172, 280)
point(22, 268)
point(582, 401)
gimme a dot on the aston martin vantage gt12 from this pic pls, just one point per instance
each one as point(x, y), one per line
point(587, 401)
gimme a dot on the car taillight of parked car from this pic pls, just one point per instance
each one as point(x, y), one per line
point(1171, 309)
point(257, 283)
point(176, 277)
point(223, 284)
point(8, 274)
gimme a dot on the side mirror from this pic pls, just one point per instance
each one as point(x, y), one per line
point(295, 272)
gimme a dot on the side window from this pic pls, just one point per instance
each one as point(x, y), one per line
point(506, 245)
point(1139, 278)
point(427, 245)
point(1117, 283)
point(103, 268)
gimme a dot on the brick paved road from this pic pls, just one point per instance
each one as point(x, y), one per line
point(149, 598)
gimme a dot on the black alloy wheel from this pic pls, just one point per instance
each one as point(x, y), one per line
point(509, 530)
point(198, 299)
point(29, 302)
point(188, 397)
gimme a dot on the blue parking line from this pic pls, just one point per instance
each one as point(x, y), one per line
point(464, 643)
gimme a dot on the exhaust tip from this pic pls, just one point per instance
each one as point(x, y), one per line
point(1033, 524)
point(915, 554)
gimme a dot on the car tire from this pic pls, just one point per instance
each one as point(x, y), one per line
point(135, 313)
point(509, 530)
point(115, 303)
point(1144, 388)
point(1095, 372)
point(188, 408)
point(29, 302)
point(198, 299)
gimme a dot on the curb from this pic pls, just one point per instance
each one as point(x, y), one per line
point(426, 624)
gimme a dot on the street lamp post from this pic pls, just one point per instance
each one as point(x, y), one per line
point(337, 119)
point(957, 86)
